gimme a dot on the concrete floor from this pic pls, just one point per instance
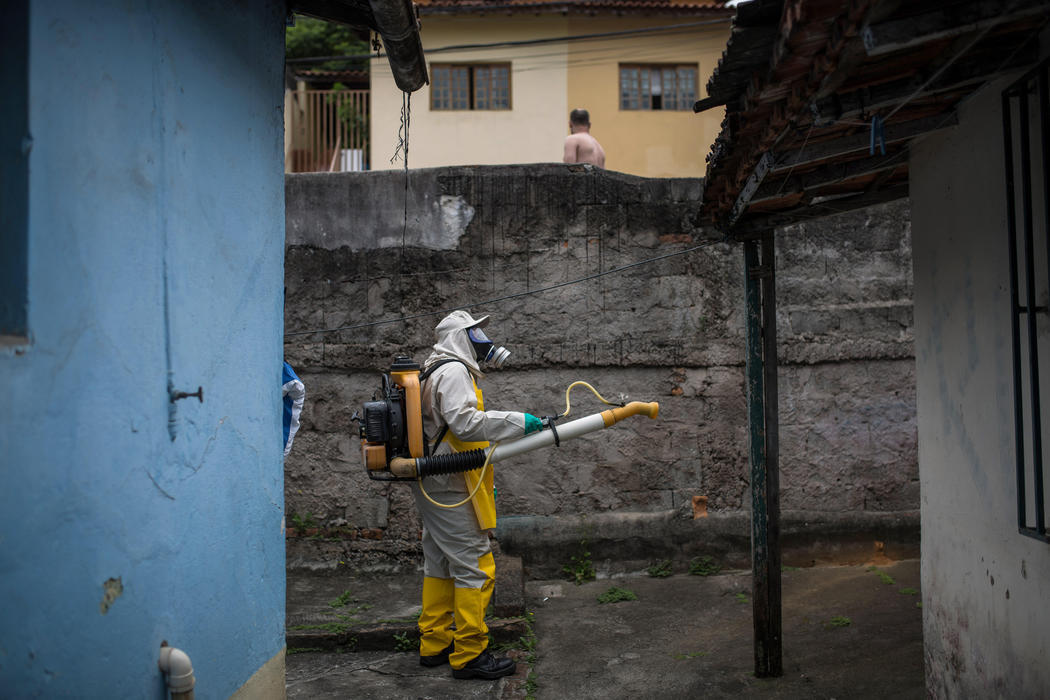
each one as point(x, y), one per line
point(684, 637)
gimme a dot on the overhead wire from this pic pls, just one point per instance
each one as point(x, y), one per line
point(424, 273)
point(901, 154)
point(518, 295)
point(919, 90)
point(402, 148)
point(526, 42)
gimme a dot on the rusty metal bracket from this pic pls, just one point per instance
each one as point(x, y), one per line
point(178, 395)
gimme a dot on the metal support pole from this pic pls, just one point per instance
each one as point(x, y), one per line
point(763, 427)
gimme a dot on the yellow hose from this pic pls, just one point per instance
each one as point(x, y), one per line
point(481, 480)
point(488, 457)
point(600, 397)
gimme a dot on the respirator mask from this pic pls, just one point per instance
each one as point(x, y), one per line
point(485, 350)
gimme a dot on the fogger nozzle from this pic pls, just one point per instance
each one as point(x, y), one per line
point(424, 466)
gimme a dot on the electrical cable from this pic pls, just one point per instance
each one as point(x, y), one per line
point(952, 60)
point(933, 77)
point(481, 480)
point(488, 457)
point(526, 42)
point(426, 273)
point(402, 319)
point(891, 160)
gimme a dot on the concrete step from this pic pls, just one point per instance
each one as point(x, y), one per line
point(329, 611)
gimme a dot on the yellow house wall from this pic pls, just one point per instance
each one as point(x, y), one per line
point(645, 142)
point(547, 81)
point(531, 131)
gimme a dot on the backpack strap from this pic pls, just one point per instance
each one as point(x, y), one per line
point(422, 377)
point(430, 370)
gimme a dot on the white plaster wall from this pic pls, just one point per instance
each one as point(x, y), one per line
point(985, 587)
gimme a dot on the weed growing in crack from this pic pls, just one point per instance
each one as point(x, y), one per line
point(704, 566)
point(344, 599)
point(403, 641)
point(616, 595)
point(661, 569)
point(580, 568)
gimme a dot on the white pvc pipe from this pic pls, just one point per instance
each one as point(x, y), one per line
point(545, 438)
point(176, 665)
point(410, 467)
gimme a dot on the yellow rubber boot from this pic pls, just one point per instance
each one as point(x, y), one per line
point(435, 622)
point(472, 634)
point(487, 563)
point(471, 631)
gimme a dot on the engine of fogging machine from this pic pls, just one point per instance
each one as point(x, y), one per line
point(394, 448)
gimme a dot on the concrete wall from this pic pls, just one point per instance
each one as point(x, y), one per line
point(547, 82)
point(670, 331)
point(985, 586)
point(155, 245)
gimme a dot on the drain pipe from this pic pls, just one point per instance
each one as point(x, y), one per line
point(397, 22)
point(176, 666)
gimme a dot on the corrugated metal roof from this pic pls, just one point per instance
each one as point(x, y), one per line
point(824, 96)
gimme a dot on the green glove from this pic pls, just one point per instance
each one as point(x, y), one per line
point(532, 423)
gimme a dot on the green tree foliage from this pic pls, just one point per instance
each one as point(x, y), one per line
point(310, 38)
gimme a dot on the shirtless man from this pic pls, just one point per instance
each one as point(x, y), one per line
point(580, 146)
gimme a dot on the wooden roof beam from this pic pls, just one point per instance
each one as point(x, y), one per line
point(893, 132)
point(945, 22)
point(754, 226)
point(829, 175)
point(969, 70)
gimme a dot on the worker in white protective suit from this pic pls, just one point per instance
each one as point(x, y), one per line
point(458, 570)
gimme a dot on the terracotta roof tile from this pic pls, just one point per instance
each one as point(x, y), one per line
point(574, 6)
point(809, 86)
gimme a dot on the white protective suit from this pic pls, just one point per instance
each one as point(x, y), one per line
point(459, 571)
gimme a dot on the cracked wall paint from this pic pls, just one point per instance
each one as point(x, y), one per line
point(109, 492)
point(112, 589)
point(984, 585)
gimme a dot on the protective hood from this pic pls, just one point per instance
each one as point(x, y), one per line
point(451, 340)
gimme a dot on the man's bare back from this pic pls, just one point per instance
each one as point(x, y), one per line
point(581, 147)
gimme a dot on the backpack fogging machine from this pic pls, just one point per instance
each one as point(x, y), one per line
point(394, 447)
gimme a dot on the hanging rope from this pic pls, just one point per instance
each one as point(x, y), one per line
point(402, 152)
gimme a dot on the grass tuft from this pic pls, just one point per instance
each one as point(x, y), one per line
point(616, 595)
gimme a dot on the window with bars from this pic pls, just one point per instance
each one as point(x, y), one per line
point(1026, 150)
point(470, 86)
point(658, 86)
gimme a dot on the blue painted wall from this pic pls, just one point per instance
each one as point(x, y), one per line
point(155, 254)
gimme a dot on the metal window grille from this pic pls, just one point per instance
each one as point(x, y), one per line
point(329, 131)
point(440, 87)
point(658, 87)
point(460, 87)
point(1026, 141)
point(470, 87)
point(629, 93)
